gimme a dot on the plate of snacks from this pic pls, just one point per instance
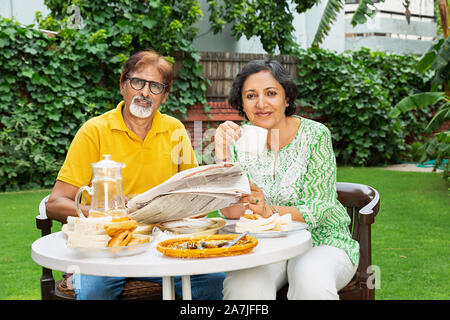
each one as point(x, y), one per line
point(272, 227)
point(194, 226)
point(207, 246)
point(105, 237)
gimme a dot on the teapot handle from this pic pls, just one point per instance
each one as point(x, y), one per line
point(78, 199)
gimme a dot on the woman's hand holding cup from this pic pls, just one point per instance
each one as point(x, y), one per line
point(225, 134)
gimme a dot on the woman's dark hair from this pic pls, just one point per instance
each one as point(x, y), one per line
point(278, 72)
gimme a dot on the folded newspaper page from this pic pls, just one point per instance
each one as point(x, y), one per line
point(191, 192)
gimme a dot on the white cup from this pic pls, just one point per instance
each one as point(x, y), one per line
point(253, 139)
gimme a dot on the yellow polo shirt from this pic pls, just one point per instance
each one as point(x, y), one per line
point(165, 151)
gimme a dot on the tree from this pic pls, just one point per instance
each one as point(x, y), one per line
point(269, 20)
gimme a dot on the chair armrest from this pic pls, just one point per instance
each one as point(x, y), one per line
point(356, 195)
point(42, 222)
point(368, 212)
point(43, 208)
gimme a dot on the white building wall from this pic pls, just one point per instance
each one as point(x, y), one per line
point(335, 40)
point(207, 41)
point(23, 10)
point(424, 7)
point(389, 30)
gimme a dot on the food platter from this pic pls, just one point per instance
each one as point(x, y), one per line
point(206, 246)
point(104, 237)
point(114, 252)
point(296, 227)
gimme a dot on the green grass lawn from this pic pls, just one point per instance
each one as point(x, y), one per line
point(410, 237)
point(19, 275)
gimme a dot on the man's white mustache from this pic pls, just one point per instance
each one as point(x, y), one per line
point(150, 101)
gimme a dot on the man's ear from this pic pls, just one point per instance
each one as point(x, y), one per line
point(122, 87)
point(165, 97)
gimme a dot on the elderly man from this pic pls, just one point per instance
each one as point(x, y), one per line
point(153, 147)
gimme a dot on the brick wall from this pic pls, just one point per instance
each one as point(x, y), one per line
point(201, 125)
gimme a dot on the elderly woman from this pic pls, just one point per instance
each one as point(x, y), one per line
point(295, 174)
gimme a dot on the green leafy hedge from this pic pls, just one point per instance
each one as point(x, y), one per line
point(41, 99)
point(50, 85)
point(353, 93)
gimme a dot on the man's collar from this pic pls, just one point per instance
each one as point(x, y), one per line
point(116, 120)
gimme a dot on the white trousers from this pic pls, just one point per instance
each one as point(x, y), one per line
point(317, 274)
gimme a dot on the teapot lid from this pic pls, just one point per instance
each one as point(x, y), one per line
point(106, 162)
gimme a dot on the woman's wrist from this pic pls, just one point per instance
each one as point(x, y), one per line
point(222, 156)
point(270, 209)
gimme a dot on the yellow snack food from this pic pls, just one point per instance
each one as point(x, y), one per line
point(114, 228)
point(117, 240)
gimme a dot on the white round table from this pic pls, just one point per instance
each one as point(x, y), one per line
point(51, 252)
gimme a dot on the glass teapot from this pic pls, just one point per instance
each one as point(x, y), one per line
point(106, 191)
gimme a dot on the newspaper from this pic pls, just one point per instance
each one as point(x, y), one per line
point(191, 192)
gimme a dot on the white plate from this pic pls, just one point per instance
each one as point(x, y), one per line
point(296, 227)
point(212, 226)
point(113, 252)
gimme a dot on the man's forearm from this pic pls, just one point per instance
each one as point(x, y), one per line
point(61, 208)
